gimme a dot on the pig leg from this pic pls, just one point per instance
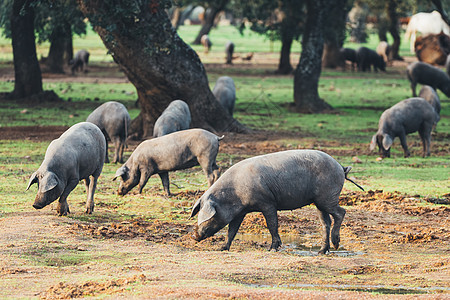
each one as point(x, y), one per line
point(402, 137)
point(106, 156)
point(207, 169)
point(116, 141)
point(413, 88)
point(165, 182)
point(143, 180)
point(216, 172)
point(232, 230)
point(63, 207)
point(90, 196)
point(425, 135)
point(272, 223)
point(326, 225)
point(338, 215)
point(121, 148)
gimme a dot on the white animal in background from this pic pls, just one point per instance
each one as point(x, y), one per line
point(425, 23)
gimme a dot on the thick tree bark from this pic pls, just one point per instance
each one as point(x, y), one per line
point(284, 66)
point(55, 58)
point(331, 56)
point(160, 65)
point(306, 78)
point(210, 16)
point(28, 78)
point(393, 29)
point(68, 49)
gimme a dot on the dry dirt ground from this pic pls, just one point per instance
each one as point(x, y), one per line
point(392, 246)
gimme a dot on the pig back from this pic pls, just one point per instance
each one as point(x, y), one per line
point(407, 115)
point(79, 151)
point(289, 179)
point(111, 117)
point(175, 151)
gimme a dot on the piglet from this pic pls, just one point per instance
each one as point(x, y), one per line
point(80, 61)
point(350, 55)
point(366, 58)
point(229, 50)
point(113, 120)
point(77, 154)
point(420, 72)
point(225, 93)
point(175, 151)
point(175, 117)
point(206, 42)
point(407, 116)
point(284, 180)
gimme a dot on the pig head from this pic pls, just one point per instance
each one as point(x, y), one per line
point(50, 188)
point(211, 218)
point(128, 179)
point(384, 142)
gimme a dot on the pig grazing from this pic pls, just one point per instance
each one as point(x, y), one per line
point(77, 154)
point(407, 116)
point(175, 117)
point(176, 151)
point(229, 50)
point(113, 120)
point(430, 95)
point(420, 72)
point(206, 42)
point(284, 180)
point(350, 55)
point(80, 61)
point(366, 58)
point(225, 93)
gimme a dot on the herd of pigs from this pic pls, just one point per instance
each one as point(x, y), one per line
point(284, 180)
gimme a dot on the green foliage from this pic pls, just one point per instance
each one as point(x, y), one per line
point(275, 19)
point(51, 17)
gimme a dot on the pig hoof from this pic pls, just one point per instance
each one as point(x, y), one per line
point(225, 248)
point(324, 250)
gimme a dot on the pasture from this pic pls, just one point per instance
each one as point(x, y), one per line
point(394, 239)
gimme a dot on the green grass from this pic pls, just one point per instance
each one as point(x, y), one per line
point(263, 101)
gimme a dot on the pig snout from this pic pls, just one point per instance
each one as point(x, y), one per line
point(43, 200)
point(122, 191)
point(38, 206)
point(195, 234)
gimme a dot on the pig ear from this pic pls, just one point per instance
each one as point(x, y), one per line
point(48, 182)
point(122, 172)
point(207, 212)
point(33, 180)
point(196, 208)
point(373, 143)
point(387, 142)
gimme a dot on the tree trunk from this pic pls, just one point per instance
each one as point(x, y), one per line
point(393, 29)
point(55, 58)
point(306, 78)
point(284, 66)
point(160, 65)
point(331, 56)
point(210, 16)
point(334, 36)
point(28, 78)
point(68, 45)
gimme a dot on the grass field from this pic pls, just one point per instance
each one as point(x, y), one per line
point(263, 101)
